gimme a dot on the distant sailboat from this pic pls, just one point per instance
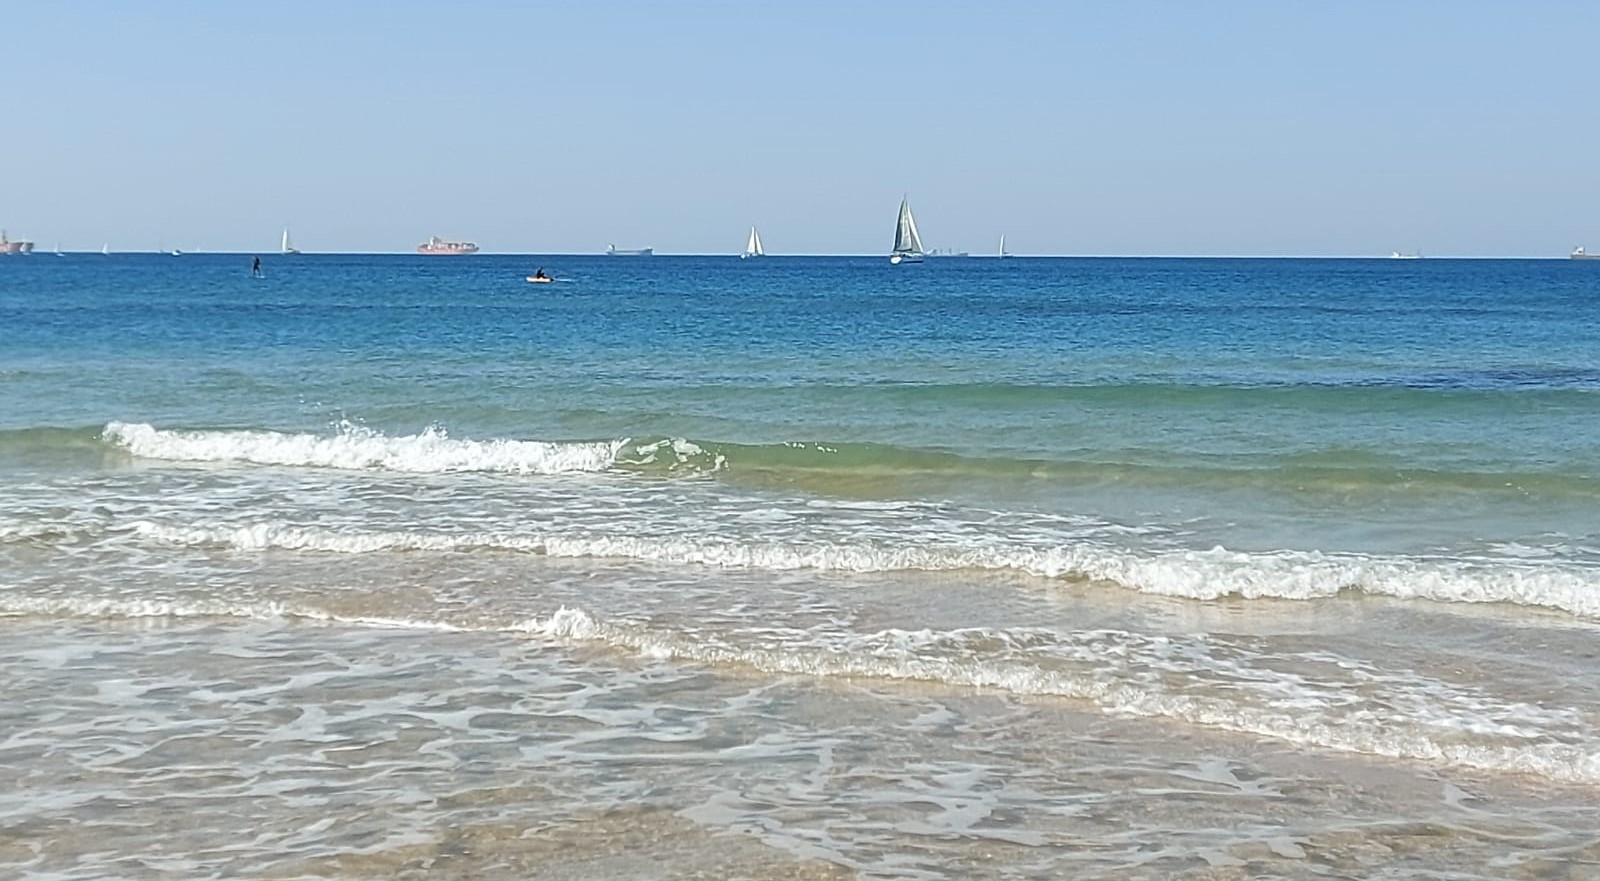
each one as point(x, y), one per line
point(907, 244)
point(287, 247)
point(106, 249)
point(752, 248)
point(1002, 253)
point(58, 250)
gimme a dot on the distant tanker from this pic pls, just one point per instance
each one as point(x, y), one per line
point(614, 251)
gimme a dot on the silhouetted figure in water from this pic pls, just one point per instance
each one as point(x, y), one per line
point(255, 268)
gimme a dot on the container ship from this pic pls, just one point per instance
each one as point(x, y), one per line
point(9, 247)
point(436, 245)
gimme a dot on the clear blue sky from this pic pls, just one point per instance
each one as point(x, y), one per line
point(1273, 127)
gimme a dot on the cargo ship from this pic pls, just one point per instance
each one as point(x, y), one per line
point(1579, 253)
point(436, 245)
point(614, 251)
point(9, 247)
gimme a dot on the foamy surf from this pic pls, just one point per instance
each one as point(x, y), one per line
point(1193, 574)
point(119, 608)
point(1218, 685)
point(1310, 698)
point(354, 447)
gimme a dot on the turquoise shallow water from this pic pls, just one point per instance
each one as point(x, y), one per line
point(1344, 514)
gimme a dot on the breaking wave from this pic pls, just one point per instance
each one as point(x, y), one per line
point(355, 447)
point(351, 446)
point(1193, 574)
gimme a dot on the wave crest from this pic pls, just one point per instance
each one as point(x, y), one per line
point(1195, 574)
point(355, 447)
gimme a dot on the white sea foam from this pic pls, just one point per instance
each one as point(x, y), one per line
point(1201, 680)
point(13, 605)
point(685, 454)
point(102, 607)
point(357, 448)
point(1412, 718)
point(1202, 575)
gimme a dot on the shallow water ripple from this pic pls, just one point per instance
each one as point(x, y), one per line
point(272, 750)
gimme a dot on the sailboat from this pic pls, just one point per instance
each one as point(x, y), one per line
point(907, 244)
point(58, 250)
point(287, 247)
point(1002, 247)
point(106, 249)
point(752, 248)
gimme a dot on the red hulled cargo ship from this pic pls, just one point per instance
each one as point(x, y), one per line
point(9, 247)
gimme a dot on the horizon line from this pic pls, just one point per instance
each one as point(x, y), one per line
point(932, 258)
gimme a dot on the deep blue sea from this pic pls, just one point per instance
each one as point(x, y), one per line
point(395, 566)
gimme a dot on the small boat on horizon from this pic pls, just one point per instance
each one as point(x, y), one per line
point(287, 247)
point(1003, 253)
point(1396, 255)
point(1579, 253)
point(752, 248)
point(614, 251)
point(907, 244)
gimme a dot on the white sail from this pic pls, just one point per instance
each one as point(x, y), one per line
point(752, 248)
point(287, 247)
point(1003, 246)
point(907, 243)
point(106, 249)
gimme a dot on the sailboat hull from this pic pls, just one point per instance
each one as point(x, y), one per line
point(897, 259)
